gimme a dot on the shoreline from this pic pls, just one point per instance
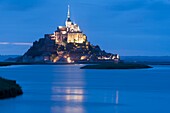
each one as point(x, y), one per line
point(9, 88)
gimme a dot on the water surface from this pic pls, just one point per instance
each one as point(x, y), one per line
point(68, 89)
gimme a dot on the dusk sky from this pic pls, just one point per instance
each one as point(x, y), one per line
point(125, 27)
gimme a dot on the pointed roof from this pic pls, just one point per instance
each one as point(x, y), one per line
point(68, 14)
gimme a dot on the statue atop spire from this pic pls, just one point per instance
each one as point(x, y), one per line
point(68, 20)
point(68, 14)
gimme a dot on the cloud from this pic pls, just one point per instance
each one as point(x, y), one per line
point(16, 43)
point(20, 5)
point(4, 43)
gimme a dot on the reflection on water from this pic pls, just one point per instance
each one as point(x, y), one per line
point(71, 95)
point(67, 109)
point(67, 100)
point(67, 90)
point(72, 100)
point(117, 97)
point(67, 94)
point(74, 95)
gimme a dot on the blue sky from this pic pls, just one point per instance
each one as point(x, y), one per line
point(126, 27)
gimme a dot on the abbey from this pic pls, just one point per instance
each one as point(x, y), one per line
point(69, 33)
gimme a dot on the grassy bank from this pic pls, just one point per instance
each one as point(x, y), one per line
point(116, 66)
point(9, 88)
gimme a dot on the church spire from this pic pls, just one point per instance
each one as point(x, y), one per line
point(68, 14)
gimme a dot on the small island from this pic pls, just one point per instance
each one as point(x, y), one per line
point(9, 88)
point(116, 66)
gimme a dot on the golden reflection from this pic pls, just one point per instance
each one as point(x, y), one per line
point(67, 109)
point(67, 94)
point(74, 95)
point(64, 96)
point(74, 91)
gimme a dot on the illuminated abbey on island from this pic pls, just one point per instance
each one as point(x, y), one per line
point(68, 44)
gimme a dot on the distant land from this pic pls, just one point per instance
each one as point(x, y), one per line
point(5, 57)
point(146, 58)
point(151, 60)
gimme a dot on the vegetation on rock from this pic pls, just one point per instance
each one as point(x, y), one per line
point(9, 88)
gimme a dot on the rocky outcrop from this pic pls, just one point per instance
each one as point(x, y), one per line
point(9, 88)
point(46, 50)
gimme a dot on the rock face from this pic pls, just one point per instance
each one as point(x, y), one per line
point(9, 88)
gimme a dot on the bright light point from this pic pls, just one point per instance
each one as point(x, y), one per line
point(69, 60)
point(83, 58)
